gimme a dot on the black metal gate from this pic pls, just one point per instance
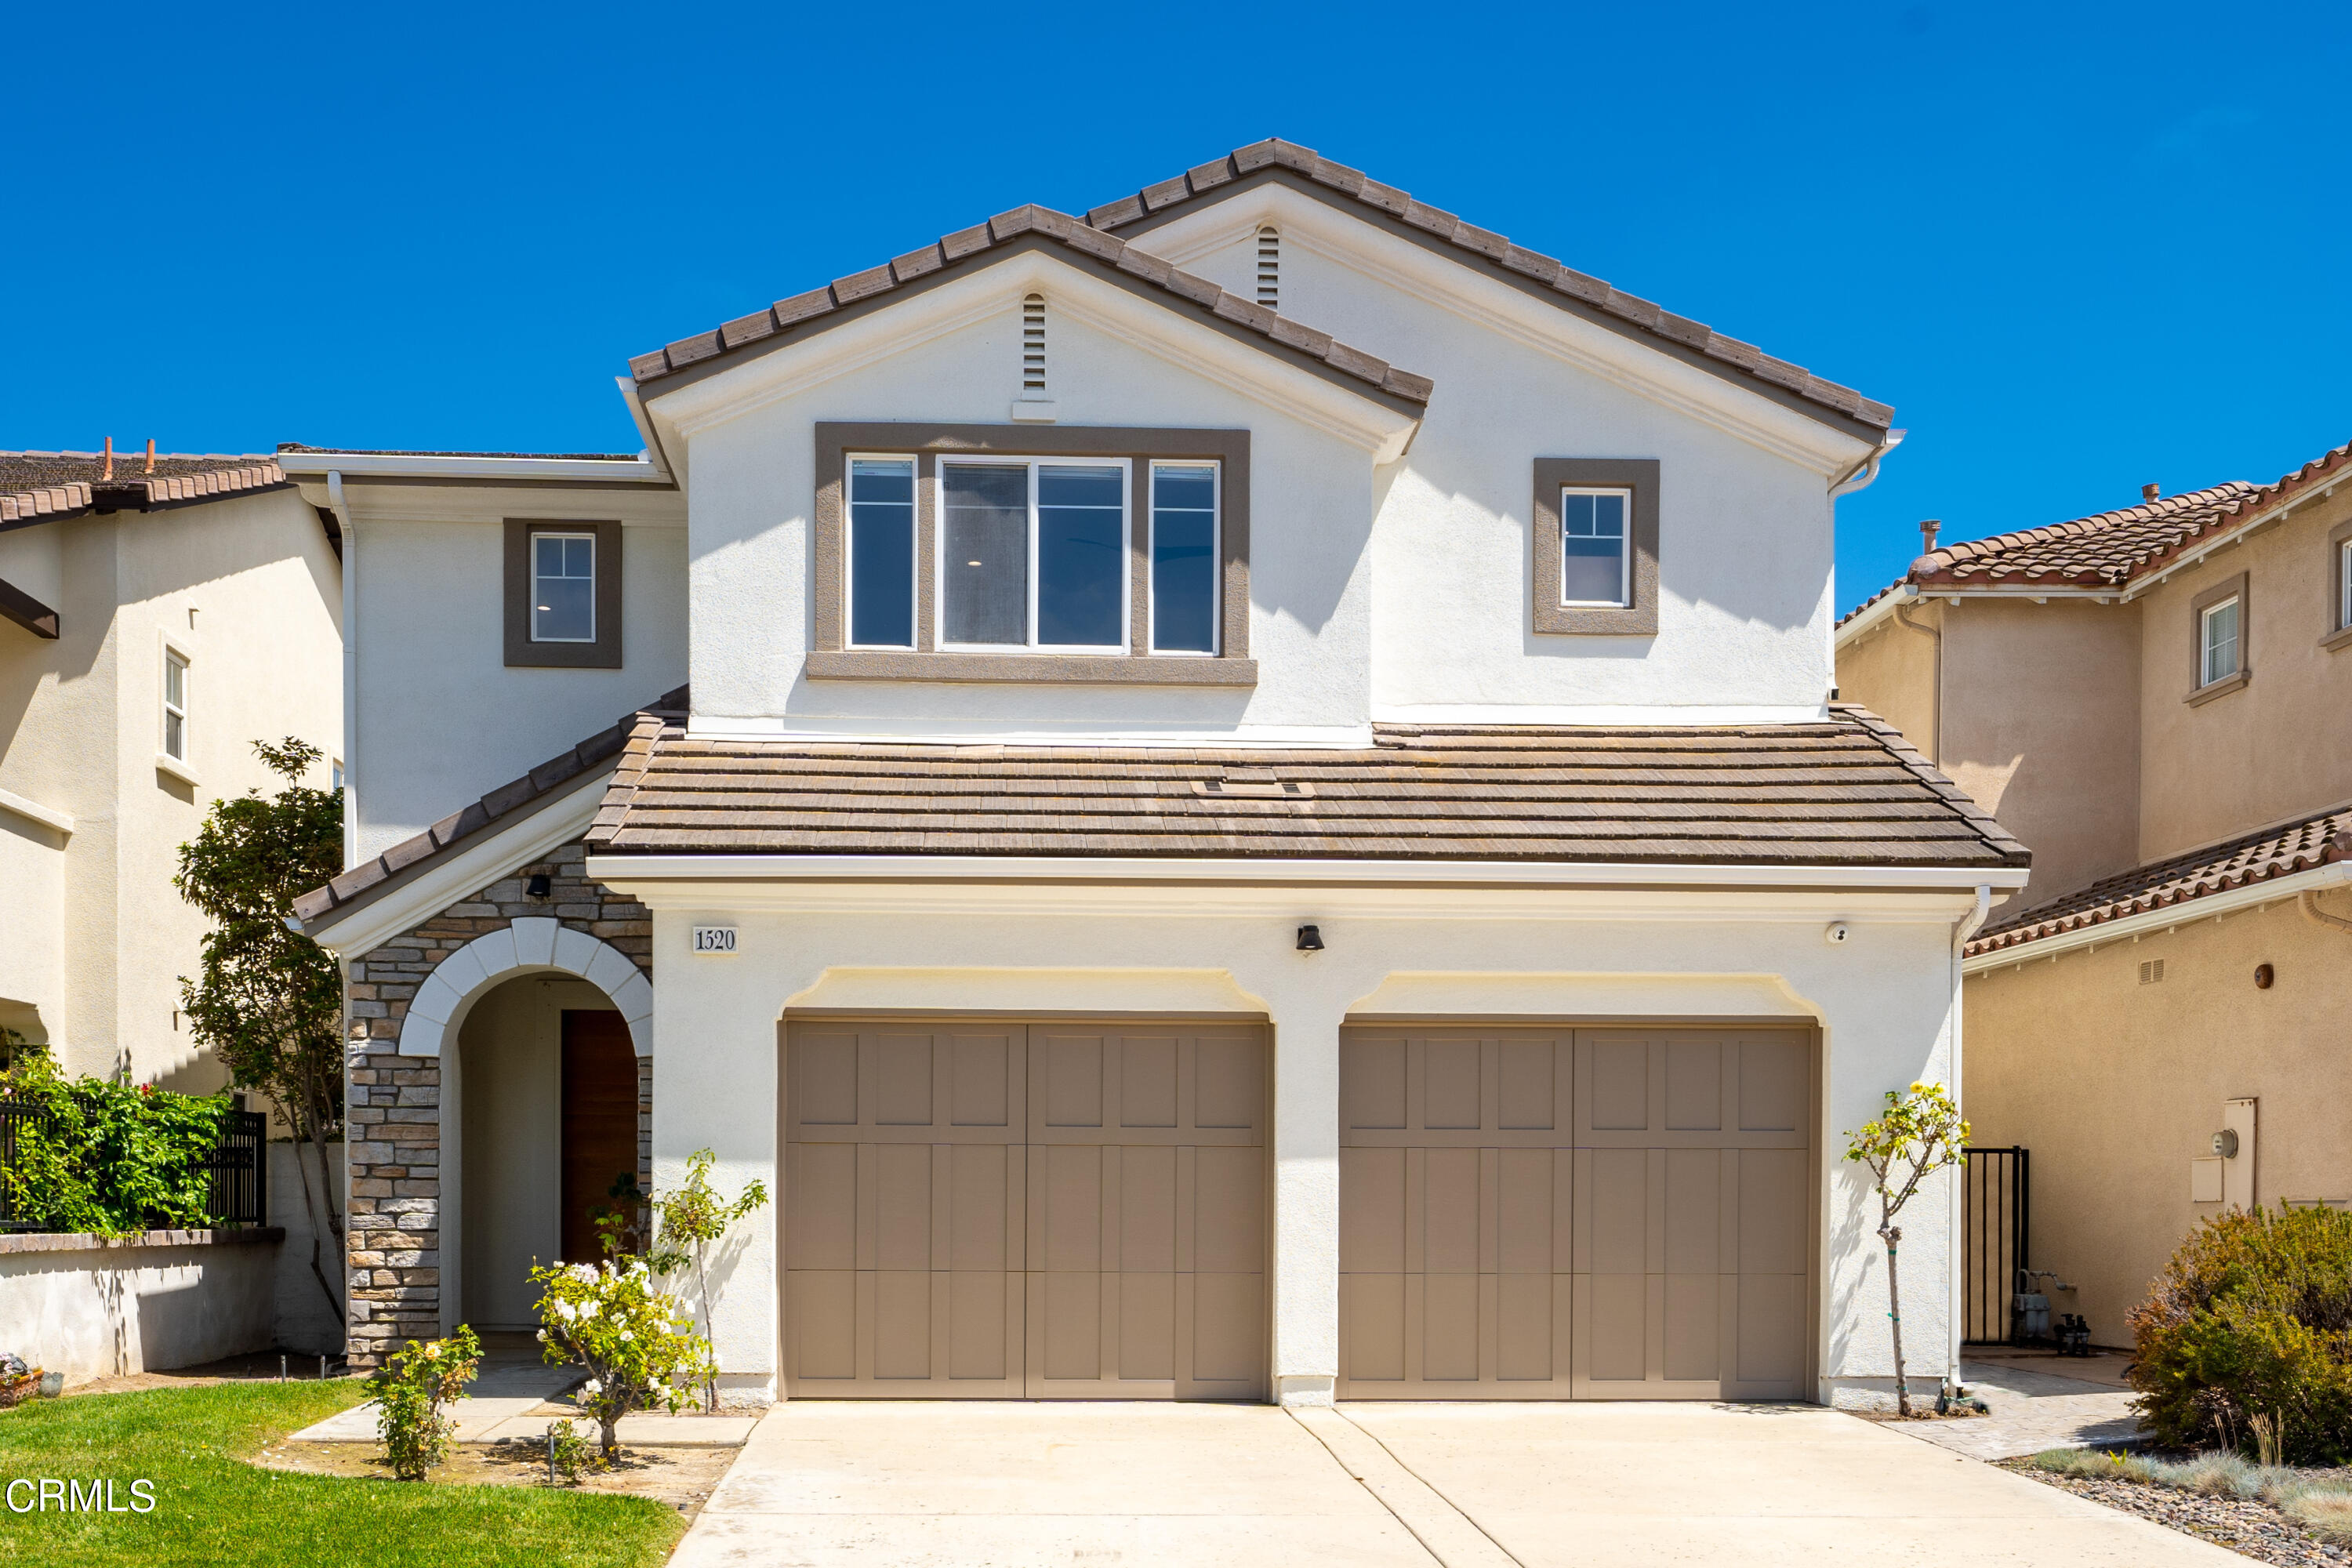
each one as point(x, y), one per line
point(1996, 1201)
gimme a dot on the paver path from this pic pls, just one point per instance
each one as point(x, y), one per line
point(2033, 1410)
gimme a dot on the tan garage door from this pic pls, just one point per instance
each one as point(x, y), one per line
point(1055, 1210)
point(1610, 1213)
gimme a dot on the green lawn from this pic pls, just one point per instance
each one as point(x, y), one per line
point(214, 1509)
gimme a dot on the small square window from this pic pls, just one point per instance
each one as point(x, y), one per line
point(176, 705)
point(1595, 560)
point(563, 587)
point(2218, 637)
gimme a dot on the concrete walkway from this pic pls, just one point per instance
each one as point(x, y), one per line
point(887, 1483)
point(2038, 1404)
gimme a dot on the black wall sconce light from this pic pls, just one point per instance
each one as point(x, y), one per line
point(1310, 940)
point(539, 884)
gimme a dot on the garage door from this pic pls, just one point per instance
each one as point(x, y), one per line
point(1608, 1214)
point(1053, 1210)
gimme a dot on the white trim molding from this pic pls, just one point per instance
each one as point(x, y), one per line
point(32, 811)
point(532, 944)
point(2213, 906)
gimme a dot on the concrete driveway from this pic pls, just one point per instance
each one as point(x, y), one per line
point(887, 1483)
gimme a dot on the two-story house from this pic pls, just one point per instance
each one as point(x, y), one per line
point(1258, 815)
point(2154, 700)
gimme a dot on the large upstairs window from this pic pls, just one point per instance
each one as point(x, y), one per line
point(1034, 554)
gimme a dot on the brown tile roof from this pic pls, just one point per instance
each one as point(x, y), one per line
point(1570, 287)
point(2258, 857)
point(371, 879)
point(1845, 791)
point(782, 319)
point(37, 487)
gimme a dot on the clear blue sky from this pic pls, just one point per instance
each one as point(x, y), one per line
point(2077, 247)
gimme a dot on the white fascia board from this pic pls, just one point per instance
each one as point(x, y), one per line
point(645, 870)
point(639, 470)
point(1169, 332)
point(492, 854)
point(1876, 611)
point(985, 733)
point(1656, 714)
point(1912, 593)
point(2213, 906)
point(1463, 289)
point(32, 811)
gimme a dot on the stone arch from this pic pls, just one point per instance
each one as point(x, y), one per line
point(531, 944)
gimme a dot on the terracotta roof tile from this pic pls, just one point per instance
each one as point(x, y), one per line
point(1280, 333)
point(1847, 791)
point(1490, 247)
point(37, 487)
point(2258, 857)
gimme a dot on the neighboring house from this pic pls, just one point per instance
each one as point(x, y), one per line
point(2154, 700)
point(1204, 855)
point(158, 615)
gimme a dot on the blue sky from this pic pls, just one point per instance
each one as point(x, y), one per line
point(2079, 248)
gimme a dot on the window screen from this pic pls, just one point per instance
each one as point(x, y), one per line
point(984, 560)
point(1592, 547)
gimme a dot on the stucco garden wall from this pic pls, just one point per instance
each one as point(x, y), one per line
point(91, 1307)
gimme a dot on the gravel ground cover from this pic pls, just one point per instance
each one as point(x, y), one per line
point(2248, 1526)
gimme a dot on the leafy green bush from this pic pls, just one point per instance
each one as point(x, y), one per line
point(410, 1390)
point(639, 1347)
point(106, 1157)
point(569, 1456)
point(2251, 1323)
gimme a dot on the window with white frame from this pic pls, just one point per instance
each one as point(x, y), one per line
point(563, 587)
point(1184, 557)
point(2219, 655)
point(2343, 584)
point(881, 552)
point(1033, 554)
point(176, 705)
point(1595, 548)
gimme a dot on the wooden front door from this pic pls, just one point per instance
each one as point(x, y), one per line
point(600, 1123)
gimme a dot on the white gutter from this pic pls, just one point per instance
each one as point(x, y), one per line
point(639, 868)
point(32, 811)
point(653, 452)
point(1859, 478)
point(341, 506)
point(2213, 906)
point(640, 470)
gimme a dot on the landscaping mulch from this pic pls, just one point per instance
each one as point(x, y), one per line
point(683, 1478)
point(2248, 1527)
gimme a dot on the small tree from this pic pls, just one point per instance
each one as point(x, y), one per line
point(410, 1390)
point(1920, 1133)
point(689, 1222)
point(639, 1349)
point(270, 1000)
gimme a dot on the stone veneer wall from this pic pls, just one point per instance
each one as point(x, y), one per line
point(393, 1103)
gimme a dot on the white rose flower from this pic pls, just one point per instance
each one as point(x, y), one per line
point(591, 1388)
point(585, 1273)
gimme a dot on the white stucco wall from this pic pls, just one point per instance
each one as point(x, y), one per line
point(304, 1319)
point(1883, 1001)
point(442, 719)
point(100, 1311)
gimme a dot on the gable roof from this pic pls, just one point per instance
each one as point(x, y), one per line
point(803, 315)
point(2262, 855)
point(43, 487)
point(504, 805)
point(1848, 791)
point(1589, 297)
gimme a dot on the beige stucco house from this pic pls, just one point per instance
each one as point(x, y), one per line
point(1234, 797)
point(2155, 699)
point(157, 615)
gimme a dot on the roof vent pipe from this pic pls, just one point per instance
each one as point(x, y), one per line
point(1928, 527)
point(2148, 492)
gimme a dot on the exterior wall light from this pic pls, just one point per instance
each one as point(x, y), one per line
point(2263, 975)
point(1310, 940)
point(539, 884)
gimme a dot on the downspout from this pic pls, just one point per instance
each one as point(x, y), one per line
point(1956, 1310)
point(1935, 694)
point(2309, 904)
point(1860, 476)
point(341, 506)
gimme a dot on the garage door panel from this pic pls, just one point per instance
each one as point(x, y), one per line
point(1525, 1230)
point(1526, 1086)
point(1526, 1324)
point(1146, 1082)
point(1371, 1210)
point(823, 1217)
point(1691, 1337)
point(1374, 1323)
point(903, 1199)
point(1771, 1336)
point(1227, 1232)
point(823, 1304)
point(902, 1319)
point(1449, 1328)
point(1772, 1211)
point(1449, 1224)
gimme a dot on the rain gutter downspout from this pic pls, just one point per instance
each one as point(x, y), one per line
point(341, 506)
point(1966, 927)
point(1935, 695)
point(1859, 477)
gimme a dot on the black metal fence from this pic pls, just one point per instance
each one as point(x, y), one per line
point(1997, 1210)
point(237, 1168)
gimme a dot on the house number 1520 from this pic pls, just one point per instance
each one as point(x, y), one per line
point(714, 939)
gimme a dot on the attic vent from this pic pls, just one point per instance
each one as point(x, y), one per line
point(1269, 269)
point(2151, 970)
point(1033, 343)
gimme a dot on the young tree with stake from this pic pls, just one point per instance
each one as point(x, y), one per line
point(1920, 1133)
point(691, 1221)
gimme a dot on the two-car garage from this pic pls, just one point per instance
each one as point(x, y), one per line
point(1069, 1208)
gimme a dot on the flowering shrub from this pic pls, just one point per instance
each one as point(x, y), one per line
point(634, 1339)
point(410, 1390)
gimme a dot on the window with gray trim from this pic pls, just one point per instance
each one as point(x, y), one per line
point(2221, 627)
point(1595, 547)
point(562, 593)
point(1079, 554)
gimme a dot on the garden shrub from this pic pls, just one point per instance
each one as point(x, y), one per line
point(634, 1339)
point(108, 1158)
point(2252, 1318)
point(569, 1456)
point(410, 1390)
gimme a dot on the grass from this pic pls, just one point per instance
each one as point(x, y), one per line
point(214, 1509)
point(2321, 1505)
